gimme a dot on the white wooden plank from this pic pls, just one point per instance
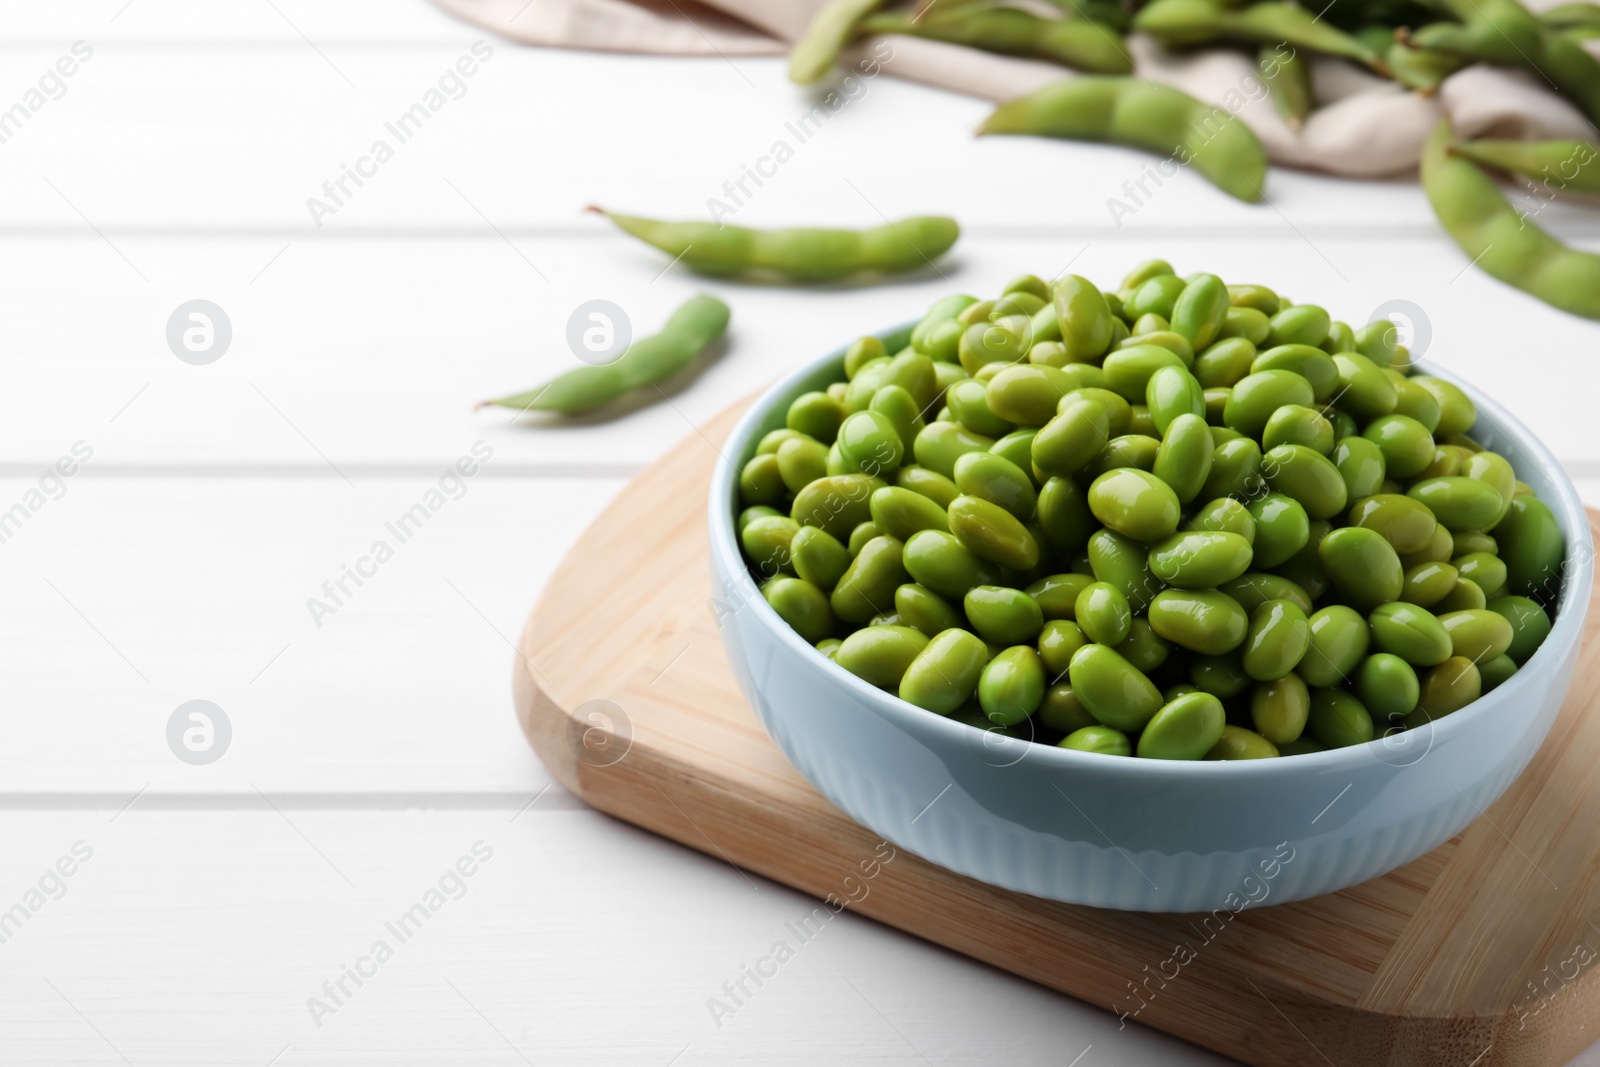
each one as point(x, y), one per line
point(242, 136)
point(374, 351)
point(198, 939)
point(127, 598)
point(368, 23)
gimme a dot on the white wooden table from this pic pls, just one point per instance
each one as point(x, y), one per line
point(373, 749)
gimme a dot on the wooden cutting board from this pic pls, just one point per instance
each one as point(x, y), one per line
point(1483, 952)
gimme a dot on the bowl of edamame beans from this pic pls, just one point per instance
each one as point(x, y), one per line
point(1177, 596)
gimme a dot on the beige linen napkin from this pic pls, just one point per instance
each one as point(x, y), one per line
point(1365, 126)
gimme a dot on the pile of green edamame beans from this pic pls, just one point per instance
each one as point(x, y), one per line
point(1180, 520)
point(1416, 43)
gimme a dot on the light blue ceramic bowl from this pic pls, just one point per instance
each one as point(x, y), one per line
point(1142, 835)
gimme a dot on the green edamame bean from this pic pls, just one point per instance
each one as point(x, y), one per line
point(863, 350)
point(1413, 633)
point(1175, 343)
point(1063, 712)
point(1257, 297)
point(1439, 550)
point(1238, 743)
point(940, 444)
point(1458, 503)
point(1363, 567)
point(1224, 515)
point(1070, 440)
point(1447, 688)
point(1115, 691)
point(1282, 528)
point(993, 533)
point(1217, 403)
point(828, 646)
point(1402, 521)
point(931, 484)
point(1129, 450)
point(817, 415)
point(1017, 448)
point(1135, 504)
point(1063, 514)
point(984, 343)
point(1364, 390)
point(1143, 647)
point(1245, 324)
point(868, 584)
point(1227, 361)
point(1339, 638)
point(1157, 296)
point(1103, 614)
point(802, 605)
point(1296, 425)
point(1387, 685)
point(927, 611)
point(1486, 570)
point(1307, 476)
point(1084, 316)
point(899, 513)
point(1057, 594)
point(1101, 739)
point(879, 655)
point(1302, 324)
point(1529, 625)
point(1128, 370)
point(837, 504)
point(1414, 401)
point(1204, 621)
point(945, 673)
point(1426, 584)
point(1338, 719)
point(1341, 338)
point(758, 511)
point(1406, 444)
point(993, 478)
point(1059, 641)
point(772, 440)
point(1027, 394)
point(1002, 615)
point(1144, 272)
point(1257, 395)
point(1011, 686)
point(1532, 546)
point(1343, 424)
point(1144, 115)
point(1199, 311)
point(761, 481)
point(869, 444)
point(768, 543)
point(1495, 672)
point(1360, 463)
point(1277, 640)
point(1477, 635)
point(1185, 728)
point(1279, 708)
point(1255, 588)
point(801, 461)
point(1221, 676)
point(943, 564)
point(969, 405)
point(1465, 595)
point(1170, 393)
point(1308, 361)
point(1378, 341)
point(1197, 559)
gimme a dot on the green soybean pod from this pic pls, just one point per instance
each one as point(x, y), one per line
point(1532, 546)
point(942, 563)
point(1564, 163)
point(1141, 114)
point(1200, 559)
point(801, 254)
point(945, 673)
point(1081, 43)
point(1116, 693)
point(1205, 621)
point(802, 605)
point(1530, 625)
point(1339, 640)
point(1011, 686)
point(879, 655)
point(927, 611)
point(1185, 728)
point(1363, 567)
point(1238, 743)
point(1387, 685)
point(1500, 238)
point(1338, 719)
point(1100, 739)
point(1278, 638)
point(1278, 708)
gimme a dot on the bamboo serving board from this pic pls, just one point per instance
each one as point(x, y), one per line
point(1483, 952)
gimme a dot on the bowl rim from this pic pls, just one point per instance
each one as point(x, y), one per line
point(1577, 565)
